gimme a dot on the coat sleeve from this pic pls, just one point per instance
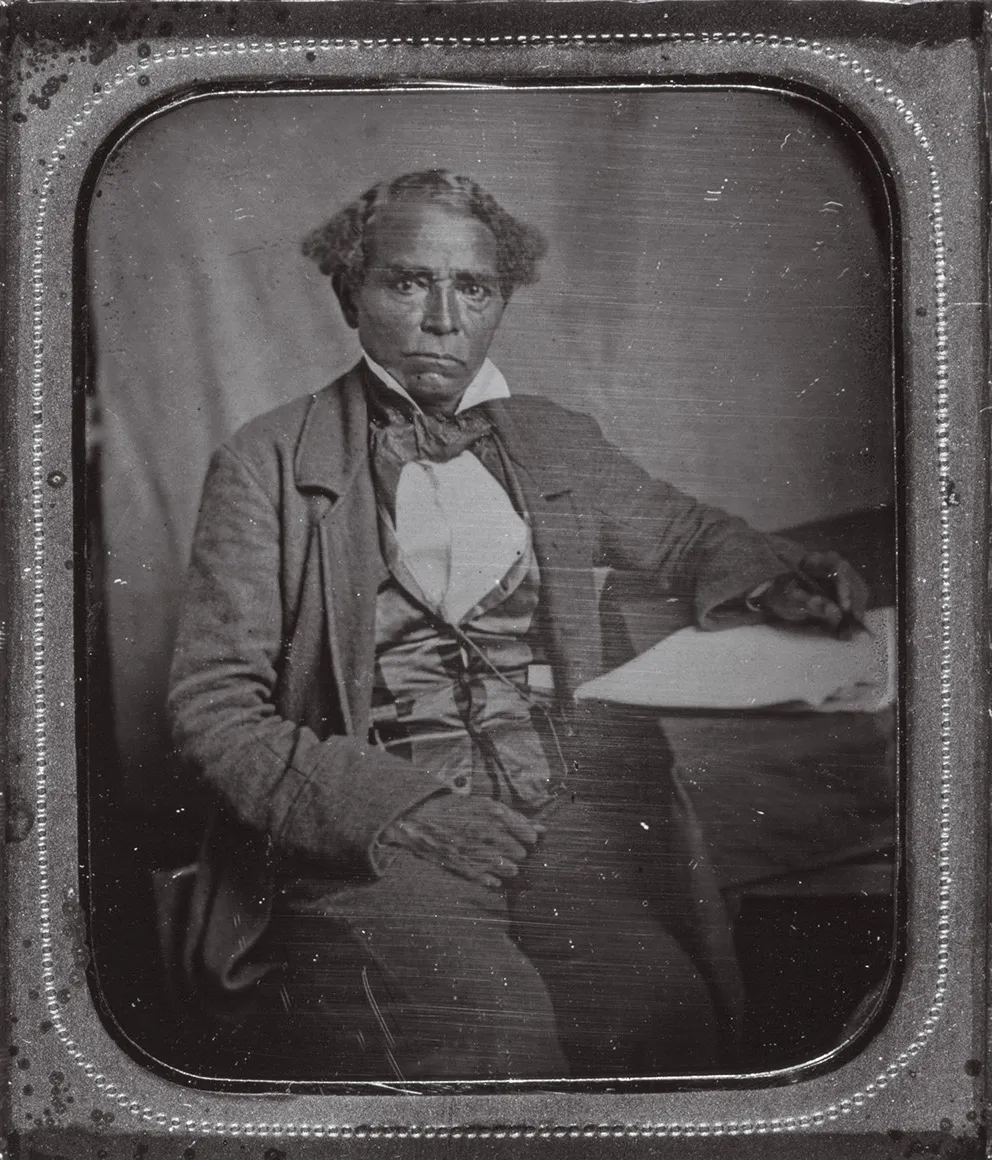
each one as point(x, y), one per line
point(696, 550)
point(328, 799)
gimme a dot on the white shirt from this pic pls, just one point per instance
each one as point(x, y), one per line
point(455, 524)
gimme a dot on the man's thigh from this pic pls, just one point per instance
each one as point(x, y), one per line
point(587, 912)
point(451, 993)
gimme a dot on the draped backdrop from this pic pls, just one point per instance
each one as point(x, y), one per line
point(716, 295)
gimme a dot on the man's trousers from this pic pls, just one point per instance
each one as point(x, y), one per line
point(571, 970)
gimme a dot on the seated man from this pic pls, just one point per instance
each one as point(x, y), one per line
point(390, 604)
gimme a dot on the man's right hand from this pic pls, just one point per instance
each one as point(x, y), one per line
point(478, 838)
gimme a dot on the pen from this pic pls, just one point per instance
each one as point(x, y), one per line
point(849, 621)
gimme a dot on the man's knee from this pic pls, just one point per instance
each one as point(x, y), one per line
point(454, 996)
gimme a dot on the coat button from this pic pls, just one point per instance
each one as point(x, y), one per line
point(460, 782)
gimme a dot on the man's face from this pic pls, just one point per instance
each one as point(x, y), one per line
point(430, 303)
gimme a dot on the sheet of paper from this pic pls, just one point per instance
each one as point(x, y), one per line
point(758, 666)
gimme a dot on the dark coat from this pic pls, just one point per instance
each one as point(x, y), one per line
point(271, 680)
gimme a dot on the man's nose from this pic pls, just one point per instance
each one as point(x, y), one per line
point(442, 314)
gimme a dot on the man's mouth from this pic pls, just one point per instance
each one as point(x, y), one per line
point(432, 357)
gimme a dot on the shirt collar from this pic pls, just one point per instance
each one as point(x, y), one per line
point(487, 384)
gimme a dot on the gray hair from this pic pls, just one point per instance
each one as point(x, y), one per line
point(340, 246)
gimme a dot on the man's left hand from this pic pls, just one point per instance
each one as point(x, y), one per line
point(825, 590)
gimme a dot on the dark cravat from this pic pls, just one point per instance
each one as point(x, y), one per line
point(412, 434)
point(400, 434)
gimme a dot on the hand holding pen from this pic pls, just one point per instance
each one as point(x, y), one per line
point(824, 590)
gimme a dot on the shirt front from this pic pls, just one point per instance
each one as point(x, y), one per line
point(456, 528)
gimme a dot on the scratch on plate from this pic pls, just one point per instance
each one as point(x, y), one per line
point(392, 1087)
point(715, 194)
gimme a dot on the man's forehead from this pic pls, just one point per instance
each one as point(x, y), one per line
point(426, 234)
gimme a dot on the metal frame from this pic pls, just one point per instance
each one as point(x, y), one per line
point(911, 76)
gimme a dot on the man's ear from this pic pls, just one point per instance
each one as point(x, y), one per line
point(345, 291)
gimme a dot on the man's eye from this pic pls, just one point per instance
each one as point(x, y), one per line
point(475, 292)
point(405, 285)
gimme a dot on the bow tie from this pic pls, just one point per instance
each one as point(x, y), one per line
point(406, 434)
point(400, 434)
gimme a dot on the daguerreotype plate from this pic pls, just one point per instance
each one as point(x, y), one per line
point(535, 338)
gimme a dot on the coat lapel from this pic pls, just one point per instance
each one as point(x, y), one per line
point(332, 469)
point(528, 447)
point(565, 545)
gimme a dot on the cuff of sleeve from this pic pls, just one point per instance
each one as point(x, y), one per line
point(721, 600)
point(752, 601)
point(343, 818)
point(387, 843)
point(733, 601)
point(382, 854)
point(403, 833)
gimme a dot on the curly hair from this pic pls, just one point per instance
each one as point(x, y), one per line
point(340, 246)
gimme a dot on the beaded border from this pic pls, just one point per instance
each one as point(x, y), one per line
point(146, 1114)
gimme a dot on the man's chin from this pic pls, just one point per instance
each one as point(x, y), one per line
point(433, 390)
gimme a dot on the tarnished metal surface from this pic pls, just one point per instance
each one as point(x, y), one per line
point(912, 81)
